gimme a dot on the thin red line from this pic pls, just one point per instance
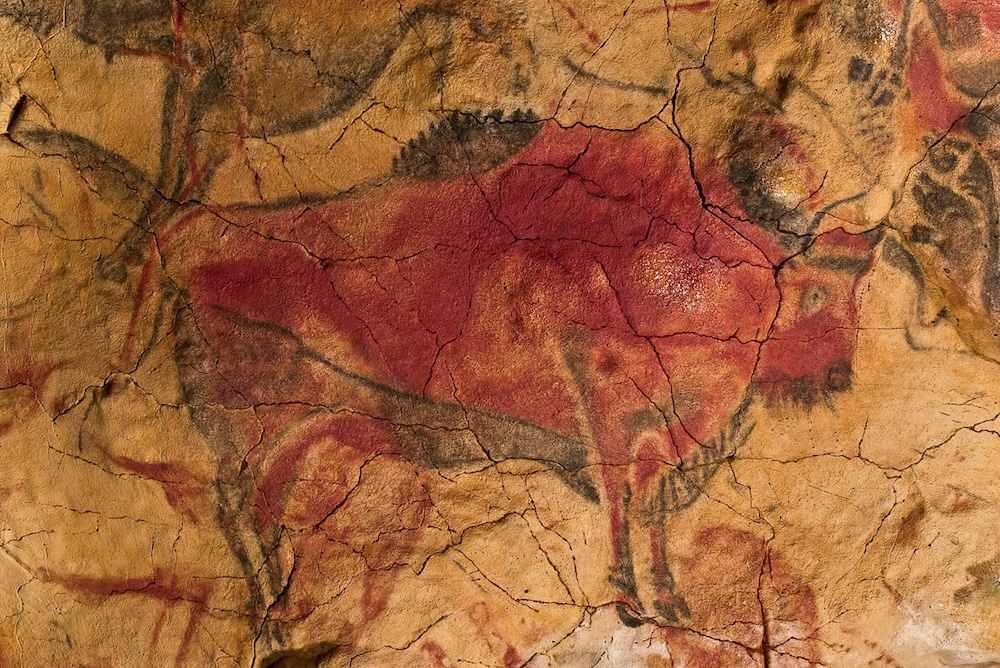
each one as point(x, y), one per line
point(686, 7)
point(591, 34)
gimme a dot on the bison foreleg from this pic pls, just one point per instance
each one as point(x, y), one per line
point(668, 603)
point(623, 569)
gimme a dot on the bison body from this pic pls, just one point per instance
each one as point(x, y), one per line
point(576, 305)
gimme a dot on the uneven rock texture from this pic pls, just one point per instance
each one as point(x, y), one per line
point(522, 333)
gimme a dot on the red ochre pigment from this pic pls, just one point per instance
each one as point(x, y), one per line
point(582, 274)
point(581, 287)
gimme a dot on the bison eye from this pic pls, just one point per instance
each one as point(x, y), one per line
point(813, 298)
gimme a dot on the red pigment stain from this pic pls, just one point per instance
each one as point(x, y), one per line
point(162, 585)
point(178, 57)
point(590, 33)
point(35, 376)
point(933, 103)
point(359, 434)
point(984, 11)
point(743, 578)
point(483, 620)
point(435, 654)
point(144, 290)
point(678, 7)
point(178, 482)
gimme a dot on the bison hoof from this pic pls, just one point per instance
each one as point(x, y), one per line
point(673, 609)
point(624, 581)
point(628, 617)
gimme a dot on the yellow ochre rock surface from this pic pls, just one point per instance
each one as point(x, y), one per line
point(442, 333)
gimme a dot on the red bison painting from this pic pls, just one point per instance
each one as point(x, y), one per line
point(324, 402)
point(524, 291)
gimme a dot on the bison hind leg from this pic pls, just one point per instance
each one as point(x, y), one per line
point(673, 610)
point(623, 571)
point(667, 603)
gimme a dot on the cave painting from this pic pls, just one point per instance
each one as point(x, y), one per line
point(575, 305)
point(612, 312)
